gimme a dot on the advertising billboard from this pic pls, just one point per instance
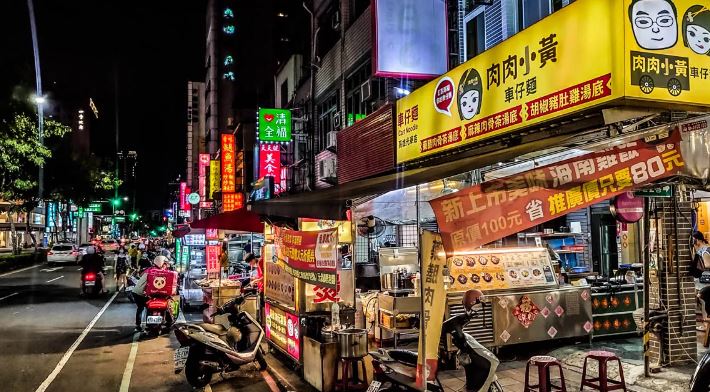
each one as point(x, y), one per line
point(282, 328)
point(274, 125)
point(229, 150)
point(411, 38)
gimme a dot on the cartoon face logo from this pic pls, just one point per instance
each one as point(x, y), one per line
point(696, 29)
point(470, 94)
point(654, 23)
point(159, 282)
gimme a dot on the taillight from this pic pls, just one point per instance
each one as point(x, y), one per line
point(90, 276)
point(50, 253)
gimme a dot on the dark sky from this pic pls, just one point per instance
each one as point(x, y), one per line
point(154, 47)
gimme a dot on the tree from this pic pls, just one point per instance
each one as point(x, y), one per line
point(21, 156)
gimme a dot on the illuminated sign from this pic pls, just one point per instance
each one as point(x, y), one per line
point(215, 179)
point(228, 170)
point(589, 54)
point(282, 329)
point(212, 258)
point(232, 201)
point(211, 234)
point(270, 161)
point(193, 198)
point(194, 239)
point(274, 125)
point(410, 38)
point(203, 164)
point(184, 205)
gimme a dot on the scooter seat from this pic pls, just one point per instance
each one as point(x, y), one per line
point(218, 329)
point(405, 356)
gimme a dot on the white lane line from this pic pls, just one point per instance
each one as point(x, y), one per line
point(128, 371)
point(62, 362)
point(52, 280)
point(50, 269)
point(8, 296)
point(19, 270)
point(79, 269)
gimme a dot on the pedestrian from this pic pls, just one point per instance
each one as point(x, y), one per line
point(139, 290)
point(701, 264)
point(133, 254)
point(120, 269)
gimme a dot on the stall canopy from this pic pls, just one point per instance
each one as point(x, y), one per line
point(238, 220)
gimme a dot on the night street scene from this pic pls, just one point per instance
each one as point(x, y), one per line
point(355, 195)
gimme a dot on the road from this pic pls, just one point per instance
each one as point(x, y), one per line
point(55, 340)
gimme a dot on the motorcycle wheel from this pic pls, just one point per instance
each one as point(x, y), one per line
point(495, 387)
point(261, 360)
point(197, 374)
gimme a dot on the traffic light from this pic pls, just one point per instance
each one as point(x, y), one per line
point(133, 217)
point(116, 202)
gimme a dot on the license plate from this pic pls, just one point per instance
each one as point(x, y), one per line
point(374, 386)
point(180, 357)
point(154, 320)
point(89, 283)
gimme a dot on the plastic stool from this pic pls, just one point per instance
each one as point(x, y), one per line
point(603, 383)
point(544, 363)
point(347, 383)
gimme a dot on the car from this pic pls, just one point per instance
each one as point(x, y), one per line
point(62, 253)
point(109, 245)
point(82, 248)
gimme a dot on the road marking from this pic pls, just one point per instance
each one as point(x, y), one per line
point(19, 270)
point(62, 362)
point(126, 380)
point(52, 280)
point(8, 296)
point(79, 269)
point(50, 269)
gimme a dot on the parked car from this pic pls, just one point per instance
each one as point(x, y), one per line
point(62, 253)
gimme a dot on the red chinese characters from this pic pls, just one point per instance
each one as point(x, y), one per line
point(270, 162)
point(502, 207)
point(228, 163)
point(232, 201)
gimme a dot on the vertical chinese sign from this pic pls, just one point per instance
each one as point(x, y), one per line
point(215, 179)
point(228, 155)
point(232, 201)
point(204, 162)
point(212, 260)
point(270, 162)
point(183, 196)
point(433, 264)
point(496, 209)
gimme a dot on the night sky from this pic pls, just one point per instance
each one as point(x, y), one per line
point(154, 47)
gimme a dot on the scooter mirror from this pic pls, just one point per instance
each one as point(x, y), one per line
point(471, 298)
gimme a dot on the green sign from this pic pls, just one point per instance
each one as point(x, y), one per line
point(664, 191)
point(93, 207)
point(274, 125)
point(120, 219)
point(353, 118)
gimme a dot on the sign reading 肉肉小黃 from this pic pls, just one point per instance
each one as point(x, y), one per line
point(589, 54)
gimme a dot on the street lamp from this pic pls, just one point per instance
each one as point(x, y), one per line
point(39, 100)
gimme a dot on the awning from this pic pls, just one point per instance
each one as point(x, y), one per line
point(238, 220)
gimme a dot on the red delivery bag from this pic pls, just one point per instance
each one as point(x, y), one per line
point(161, 282)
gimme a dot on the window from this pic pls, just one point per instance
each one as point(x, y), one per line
point(284, 93)
point(326, 111)
point(356, 108)
point(530, 11)
point(475, 34)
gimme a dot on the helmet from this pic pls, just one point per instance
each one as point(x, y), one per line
point(159, 261)
point(90, 250)
point(141, 246)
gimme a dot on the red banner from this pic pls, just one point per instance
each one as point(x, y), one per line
point(502, 207)
point(308, 255)
point(270, 162)
point(184, 205)
point(229, 150)
point(212, 258)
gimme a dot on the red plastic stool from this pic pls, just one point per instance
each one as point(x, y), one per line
point(544, 363)
point(603, 383)
point(347, 383)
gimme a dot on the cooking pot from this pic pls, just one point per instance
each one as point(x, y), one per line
point(389, 281)
point(352, 342)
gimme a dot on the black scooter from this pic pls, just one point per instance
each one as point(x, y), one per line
point(396, 369)
point(701, 378)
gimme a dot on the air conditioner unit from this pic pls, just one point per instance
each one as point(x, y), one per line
point(332, 140)
point(337, 122)
point(365, 91)
point(327, 169)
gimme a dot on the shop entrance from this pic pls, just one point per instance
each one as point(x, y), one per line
point(605, 254)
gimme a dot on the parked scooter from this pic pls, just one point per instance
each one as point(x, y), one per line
point(207, 349)
point(396, 369)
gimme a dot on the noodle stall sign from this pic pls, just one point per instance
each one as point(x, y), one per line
point(502, 207)
point(308, 255)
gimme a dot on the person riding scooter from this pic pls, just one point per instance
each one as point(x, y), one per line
point(139, 289)
point(92, 262)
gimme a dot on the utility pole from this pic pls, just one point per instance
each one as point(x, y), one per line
point(114, 227)
point(39, 98)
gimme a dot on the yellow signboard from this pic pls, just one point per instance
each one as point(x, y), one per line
point(563, 63)
point(344, 228)
point(668, 49)
point(215, 178)
point(586, 55)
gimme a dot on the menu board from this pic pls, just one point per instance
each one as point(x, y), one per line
point(500, 269)
point(278, 285)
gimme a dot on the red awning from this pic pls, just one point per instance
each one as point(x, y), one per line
point(238, 220)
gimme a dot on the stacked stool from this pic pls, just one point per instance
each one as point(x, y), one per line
point(348, 381)
point(543, 364)
point(602, 382)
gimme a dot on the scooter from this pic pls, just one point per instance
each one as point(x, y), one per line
point(92, 283)
point(159, 314)
point(207, 349)
point(396, 369)
point(701, 378)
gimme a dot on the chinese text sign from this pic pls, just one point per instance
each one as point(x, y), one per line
point(308, 255)
point(270, 161)
point(228, 168)
point(274, 125)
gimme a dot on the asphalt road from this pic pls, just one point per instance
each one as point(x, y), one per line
point(54, 340)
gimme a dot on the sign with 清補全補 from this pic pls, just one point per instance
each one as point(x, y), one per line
point(590, 54)
point(274, 125)
point(496, 209)
point(308, 255)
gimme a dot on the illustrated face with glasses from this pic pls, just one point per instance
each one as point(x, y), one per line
point(654, 23)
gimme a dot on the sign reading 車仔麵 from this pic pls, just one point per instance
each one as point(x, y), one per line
point(308, 255)
point(590, 54)
point(502, 207)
